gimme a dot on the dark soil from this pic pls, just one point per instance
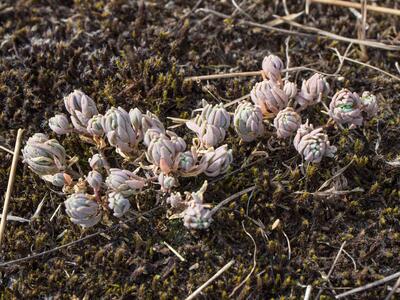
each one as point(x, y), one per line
point(136, 53)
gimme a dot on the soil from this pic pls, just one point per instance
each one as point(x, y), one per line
point(137, 53)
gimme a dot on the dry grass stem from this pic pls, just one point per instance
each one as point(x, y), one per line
point(394, 289)
point(374, 8)
point(174, 251)
point(7, 150)
point(231, 198)
point(254, 263)
point(216, 275)
point(10, 185)
point(337, 37)
point(307, 295)
point(369, 285)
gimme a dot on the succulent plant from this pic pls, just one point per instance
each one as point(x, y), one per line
point(269, 97)
point(94, 126)
point(287, 122)
point(272, 65)
point(302, 131)
point(162, 152)
point(217, 161)
point(135, 115)
point(119, 131)
point(97, 162)
point(248, 121)
point(82, 210)
point(345, 108)
point(314, 146)
point(95, 180)
point(196, 216)
point(175, 200)
point(124, 182)
point(167, 182)
point(215, 115)
point(151, 126)
point(81, 108)
point(369, 104)
point(290, 89)
point(60, 179)
point(118, 203)
point(44, 156)
point(312, 90)
point(60, 124)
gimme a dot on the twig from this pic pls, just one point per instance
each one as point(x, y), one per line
point(222, 270)
point(331, 269)
point(370, 66)
point(337, 37)
point(254, 263)
point(356, 5)
point(394, 289)
point(7, 150)
point(11, 181)
point(308, 292)
point(238, 74)
point(244, 22)
point(229, 199)
point(288, 244)
point(369, 285)
point(174, 251)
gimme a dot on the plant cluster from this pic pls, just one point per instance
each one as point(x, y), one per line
point(160, 157)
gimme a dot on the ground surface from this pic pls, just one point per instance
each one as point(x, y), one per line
point(136, 54)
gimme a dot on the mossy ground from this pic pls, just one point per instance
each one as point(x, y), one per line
point(131, 53)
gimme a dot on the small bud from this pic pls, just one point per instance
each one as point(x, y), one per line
point(196, 216)
point(95, 180)
point(216, 115)
point(290, 89)
point(94, 127)
point(59, 179)
point(175, 200)
point(314, 146)
point(96, 162)
point(118, 203)
point(60, 124)
point(217, 161)
point(124, 182)
point(302, 131)
point(272, 65)
point(81, 108)
point(167, 182)
point(369, 104)
point(312, 90)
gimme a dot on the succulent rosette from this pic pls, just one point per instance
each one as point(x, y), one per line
point(345, 108)
point(269, 97)
point(82, 210)
point(248, 121)
point(290, 89)
point(124, 182)
point(97, 162)
point(287, 122)
point(81, 108)
point(314, 146)
point(60, 124)
point(44, 156)
point(216, 115)
point(151, 127)
point(302, 131)
point(167, 182)
point(175, 200)
point(118, 203)
point(119, 131)
point(196, 216)
point(312, 90)
point(217, 161)
point(272, 65)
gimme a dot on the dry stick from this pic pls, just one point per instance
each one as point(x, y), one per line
point(369, 285)
point(337, 37)
point(363, 28)
point(331, 269)
point(308, 292)
point(7, 150)
point(271, 28)
point(174, 251)
point(11, 181)
point(370, 66)
point(229, 199)
point(379, 9)
point(222, 270)
point(254, 263)
point(394, 289)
